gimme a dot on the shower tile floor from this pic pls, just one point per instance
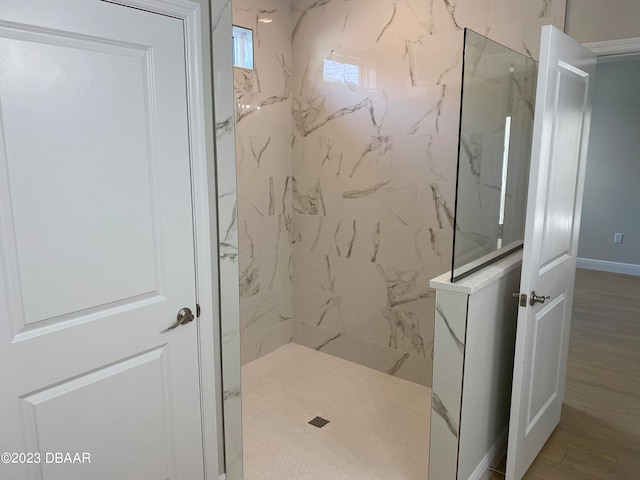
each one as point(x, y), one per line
point(378, 424)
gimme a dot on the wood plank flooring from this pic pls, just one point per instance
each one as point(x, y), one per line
point(598, 437)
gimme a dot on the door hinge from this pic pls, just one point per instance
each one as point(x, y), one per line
point(197, 310)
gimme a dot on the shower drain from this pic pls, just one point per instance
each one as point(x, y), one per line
point(318, 422)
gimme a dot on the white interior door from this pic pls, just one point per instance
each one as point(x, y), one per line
point(96, 244)
point(559, 154)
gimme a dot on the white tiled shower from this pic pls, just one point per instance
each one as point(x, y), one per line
point(346, 190)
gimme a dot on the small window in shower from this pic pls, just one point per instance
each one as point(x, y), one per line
point(242, 47)
point(341, 72)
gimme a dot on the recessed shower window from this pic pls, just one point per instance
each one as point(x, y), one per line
point(242, 47)
point(341, 72)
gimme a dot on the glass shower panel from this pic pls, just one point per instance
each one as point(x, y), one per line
point(496, 124)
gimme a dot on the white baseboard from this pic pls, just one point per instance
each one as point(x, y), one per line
point(604, 266)
point(222, 476)
point(493, 456)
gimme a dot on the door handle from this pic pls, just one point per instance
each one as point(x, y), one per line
point(184, 316)
point(537, 299)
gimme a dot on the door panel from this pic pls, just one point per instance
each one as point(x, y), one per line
point(548, 334)
point(97, 247)
point(558, 161)
point(569, 114)
point(62, 418)
point(95, 239)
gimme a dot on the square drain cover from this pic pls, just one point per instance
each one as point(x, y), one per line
point(318, 422)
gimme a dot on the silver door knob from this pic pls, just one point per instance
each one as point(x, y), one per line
point(184, 316)
point(537, 299)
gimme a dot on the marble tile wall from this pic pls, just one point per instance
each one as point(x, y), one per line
point(446, 394)
point(376, 106)
point(365, 189)
point(355, 170)
point(227, 234)
point(263, 159)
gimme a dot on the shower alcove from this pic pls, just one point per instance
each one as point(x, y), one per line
point(346, 134)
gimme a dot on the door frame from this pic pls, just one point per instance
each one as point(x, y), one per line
point(204, 216)
point(614, 47)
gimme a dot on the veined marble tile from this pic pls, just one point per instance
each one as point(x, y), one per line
point(354, 156)
point(424, 110)
point(435, 59)
point(323, 309)
point(317, 196)
point(263, 235)
point(340, 23)
point(355, 239)
point(400, 364)
point(371, 157)
point(322, 156)
point(424, 249)
point(276, 269)
point(452, 16)
point(266, 341)
point(425, 158)
point(249, 277)
point(392, 327)
point(227, 229)
point(408, 290)
point(334, 115)
point(350, 278)
point(264, 156)
point(510, 35)
point(436, 205)
point(232, 398)
point(445, 424)
point(314, 271)
point(411, 19)
point(508, 11)
point(231, 351)
point(264, 196)
point(265, 310)
point(268, 116)
point(450, 332)
point(228, 224)
point(389, 201)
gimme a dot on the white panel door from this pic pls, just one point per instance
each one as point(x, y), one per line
point(558, 160)
point(96, 244)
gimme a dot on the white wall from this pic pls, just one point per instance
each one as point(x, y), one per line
point(599, 20)
point(612, 192)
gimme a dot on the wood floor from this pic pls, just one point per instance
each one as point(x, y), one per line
point(598, 437)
